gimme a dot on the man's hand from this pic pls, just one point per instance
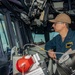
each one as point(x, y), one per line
point(52, 54)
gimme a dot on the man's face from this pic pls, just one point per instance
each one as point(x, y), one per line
point(58, 26)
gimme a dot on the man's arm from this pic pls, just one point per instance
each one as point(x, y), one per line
point(50, 46)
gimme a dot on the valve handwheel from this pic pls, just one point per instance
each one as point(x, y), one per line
point(24, 64)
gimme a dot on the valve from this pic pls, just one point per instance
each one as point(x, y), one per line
point(24, 64)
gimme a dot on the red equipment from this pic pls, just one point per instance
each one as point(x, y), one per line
point(24, 63)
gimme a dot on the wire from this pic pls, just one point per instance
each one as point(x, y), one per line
point(38, 52)
point(53, 52)
point(41, 48)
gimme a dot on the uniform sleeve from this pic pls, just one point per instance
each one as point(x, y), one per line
point(51, 44)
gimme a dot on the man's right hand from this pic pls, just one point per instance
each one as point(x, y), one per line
point(52, 54)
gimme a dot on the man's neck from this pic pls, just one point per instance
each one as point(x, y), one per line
point(63, 33)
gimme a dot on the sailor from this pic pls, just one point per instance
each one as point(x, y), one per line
point(64, 40)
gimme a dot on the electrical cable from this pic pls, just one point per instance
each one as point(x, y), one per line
point(40, 48)
point(47, 50)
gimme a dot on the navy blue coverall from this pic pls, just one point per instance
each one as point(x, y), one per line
point(59, 46)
